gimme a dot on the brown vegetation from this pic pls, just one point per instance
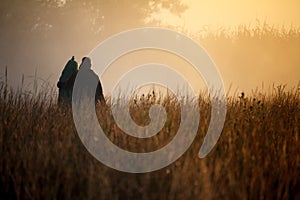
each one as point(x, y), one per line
point(257, 156)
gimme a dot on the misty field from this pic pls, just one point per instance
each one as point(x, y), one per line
point(256, 157)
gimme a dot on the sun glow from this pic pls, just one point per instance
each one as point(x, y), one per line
point(232, 13)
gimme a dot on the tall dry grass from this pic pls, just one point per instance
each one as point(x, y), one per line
point(257, 156)
point(255, 54)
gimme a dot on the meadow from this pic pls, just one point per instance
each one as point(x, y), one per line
point(256, 157)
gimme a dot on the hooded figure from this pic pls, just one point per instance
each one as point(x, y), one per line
point(66, 81)
point(88, 78)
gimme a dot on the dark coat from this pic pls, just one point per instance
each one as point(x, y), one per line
point(88, 78)
point(66, 81)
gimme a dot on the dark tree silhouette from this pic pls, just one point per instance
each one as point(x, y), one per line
point(52, 17)
point(44, 33)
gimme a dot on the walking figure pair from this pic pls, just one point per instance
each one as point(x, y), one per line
point(67, 80)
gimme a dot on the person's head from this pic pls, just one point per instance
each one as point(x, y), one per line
point(86, 63)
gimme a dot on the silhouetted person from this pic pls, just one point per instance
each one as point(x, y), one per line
point(88, 78)
point(66, 81)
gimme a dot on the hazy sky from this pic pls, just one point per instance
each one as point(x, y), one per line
point(232, 13)
point(248, 64)
point(56, 35)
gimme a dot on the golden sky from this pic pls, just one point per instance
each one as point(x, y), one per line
point(251, 63)
point(234, 12)
point(244, 64)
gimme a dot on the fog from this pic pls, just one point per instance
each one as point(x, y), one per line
point(40, 36)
